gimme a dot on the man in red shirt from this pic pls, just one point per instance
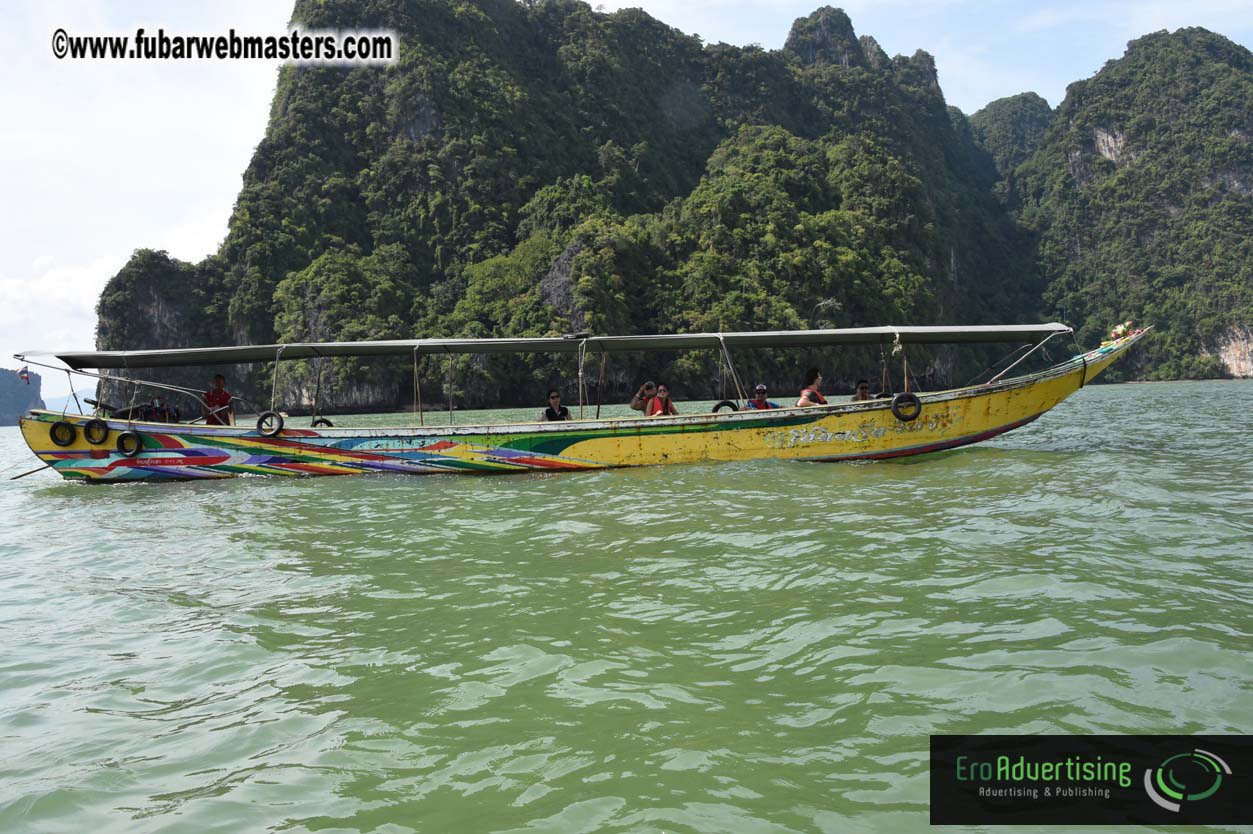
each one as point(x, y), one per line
point(217, 404)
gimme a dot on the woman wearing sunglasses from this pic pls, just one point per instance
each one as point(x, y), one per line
point(555, 410)
point(661, 405)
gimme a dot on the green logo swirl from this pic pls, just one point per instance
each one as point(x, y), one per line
point(1186, 777)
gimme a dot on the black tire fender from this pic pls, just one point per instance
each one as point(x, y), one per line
point(322, 423)
point(129, 444)
point(906, 407)
point(728, 403)
point(62, 433)
point(269, 423)
point(96, 432)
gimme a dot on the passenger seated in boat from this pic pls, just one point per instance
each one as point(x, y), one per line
point(809, 393)
point(218, 410)
point(643, 397)
point(863, 391)
point(661, 405)
point(759, 399)
point(163, 412)
point(555, 410)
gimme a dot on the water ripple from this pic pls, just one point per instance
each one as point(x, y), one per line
point(759, 647)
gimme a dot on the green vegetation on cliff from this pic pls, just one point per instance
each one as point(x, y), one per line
point(1011, 129)
point(540, 168)
point(1141, 194)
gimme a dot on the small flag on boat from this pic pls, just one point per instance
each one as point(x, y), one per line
point(23, 374)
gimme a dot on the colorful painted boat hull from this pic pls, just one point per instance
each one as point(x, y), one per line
point(843, 431)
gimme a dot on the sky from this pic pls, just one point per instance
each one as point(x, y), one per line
point(99, 158)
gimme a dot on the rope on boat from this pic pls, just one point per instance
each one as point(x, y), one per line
point(899, 348)
point(14, 465)
point(735, 376)
point(1083, 357)
point(69, 378)
point(975, 378)
point(1024, 356)
point(122, 380)
point(32, 472)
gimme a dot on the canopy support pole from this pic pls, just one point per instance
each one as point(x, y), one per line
point(600, 387)
point(582, 356)
point(278, 355)
point(448, 391)
point(735, 376)
point(317, 391)
point(417, 390)
point(130, 410)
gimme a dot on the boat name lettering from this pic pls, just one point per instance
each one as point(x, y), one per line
point(792, 438)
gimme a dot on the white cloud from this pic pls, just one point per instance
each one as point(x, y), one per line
point(100, 158)
point(1138, 17)
point(52, 307)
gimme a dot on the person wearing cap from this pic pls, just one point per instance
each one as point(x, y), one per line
point(863, 391)
point(759, 399)
point(643, 397)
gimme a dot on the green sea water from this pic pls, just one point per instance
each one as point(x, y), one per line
point(759, 647)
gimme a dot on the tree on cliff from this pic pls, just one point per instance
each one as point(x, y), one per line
point(531, 169)
point(1141, 193)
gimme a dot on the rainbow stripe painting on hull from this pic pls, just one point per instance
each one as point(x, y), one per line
point(130, 451)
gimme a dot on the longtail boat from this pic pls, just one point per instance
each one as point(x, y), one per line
point(113, 448)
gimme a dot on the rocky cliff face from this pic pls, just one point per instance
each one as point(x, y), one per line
point(1137, 191)
point(17, 397)
point(533, 169)
point(826, 37)
point(1235, 349)
point(159, 302)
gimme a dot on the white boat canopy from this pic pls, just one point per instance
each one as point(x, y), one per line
point(887, 335)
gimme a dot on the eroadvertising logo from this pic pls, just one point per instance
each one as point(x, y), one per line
point(1076, 780)
point(1192, 776)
